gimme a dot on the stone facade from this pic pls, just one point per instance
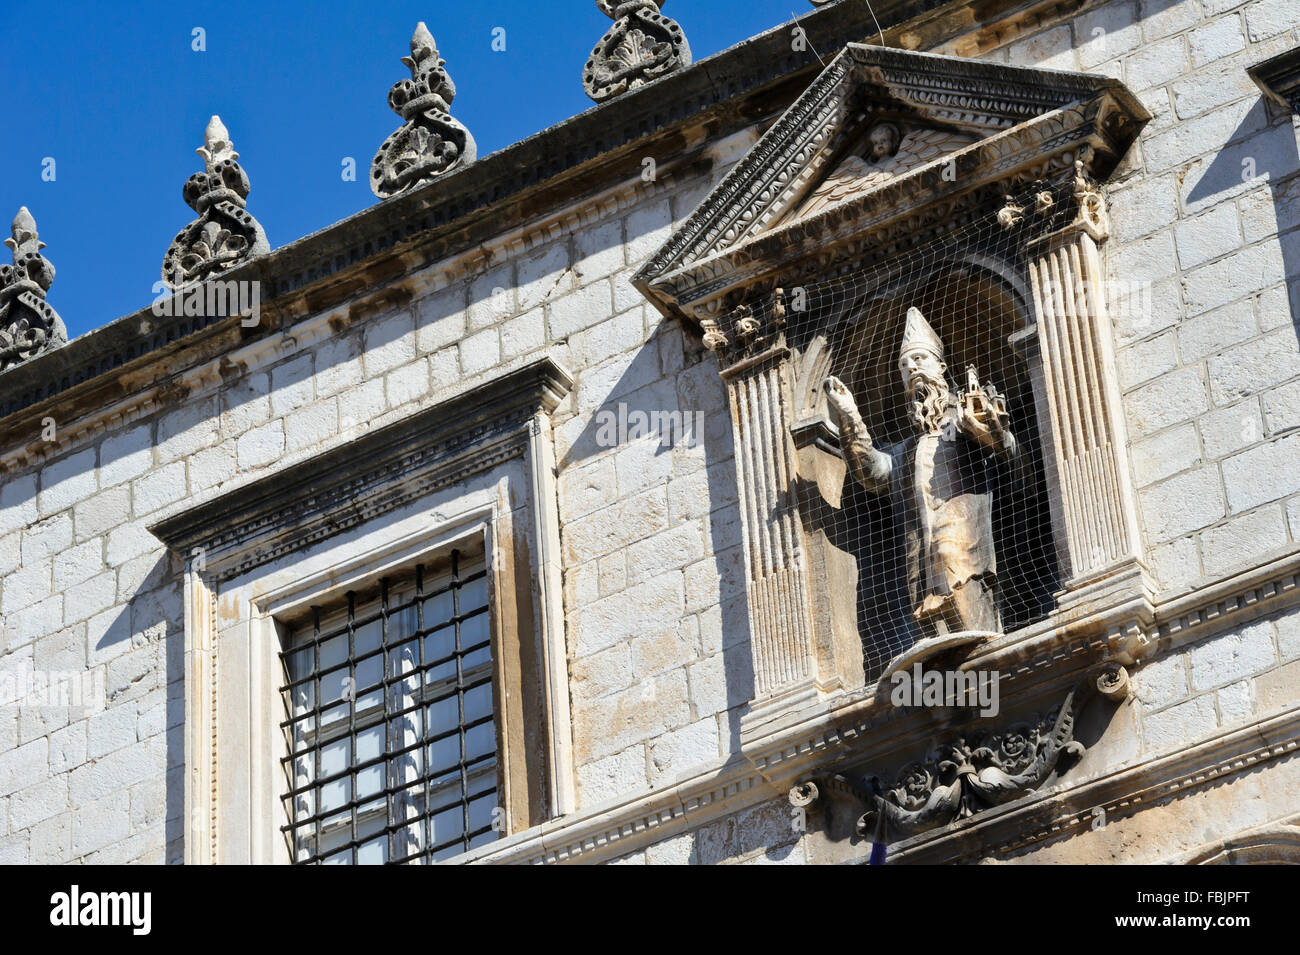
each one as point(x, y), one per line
point(455, 283)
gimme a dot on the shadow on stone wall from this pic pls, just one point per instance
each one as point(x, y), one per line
point(1262, 147)
point(153, 616)
point(673, 372)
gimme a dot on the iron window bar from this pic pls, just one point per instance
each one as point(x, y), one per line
point(424, 776)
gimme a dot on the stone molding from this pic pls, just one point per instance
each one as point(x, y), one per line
point(355, 482)
point(853, 730)
point(1273, 843)
point(1031, 123)
point(1279, 79)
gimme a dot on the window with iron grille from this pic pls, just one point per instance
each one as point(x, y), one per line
point(392, 732)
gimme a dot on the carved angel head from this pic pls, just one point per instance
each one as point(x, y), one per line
point(884, 139)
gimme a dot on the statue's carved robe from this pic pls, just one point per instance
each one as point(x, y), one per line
point(942, 496)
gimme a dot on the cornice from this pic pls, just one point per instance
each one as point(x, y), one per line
point(1033, 123)
point(553, 169)
point(355, 482)
point(864, 728)
point(1279, 79)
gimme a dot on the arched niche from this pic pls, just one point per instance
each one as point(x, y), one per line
point(979, 309)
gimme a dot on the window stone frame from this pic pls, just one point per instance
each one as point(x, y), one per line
point(482, 459)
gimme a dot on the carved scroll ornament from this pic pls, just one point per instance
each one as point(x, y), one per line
point(971, 773)
point(430, 142)
point(28, 325)
point(224, 235)
point(641, 46)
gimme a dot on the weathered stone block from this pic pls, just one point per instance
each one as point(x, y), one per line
point(1236, 703)
point(524, 334)
point(1165, 454)
point(620, 775)
point(1262, 474)
point(602, 673)
point(124, 456)
point(676, 754)
point(621, 617)
point(153, 491)
point(47, 538)
point(67, 481)
point(1243, 540)
point(388, 343)
point(1179, 725)
point(1161, 682)
point(1156, 63)
point(1105, 33)
point(1185, 503)
point(1215, 40)
point(261, 446)
point(292, 384)
point(600, 250)
point(1278, 689)
point(543, 275)
point(1233, 656)
point(491, 298)
point(589, 305)
point(480, 352)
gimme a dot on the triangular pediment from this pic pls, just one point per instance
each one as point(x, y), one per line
point(885, 150)
point(878, 134)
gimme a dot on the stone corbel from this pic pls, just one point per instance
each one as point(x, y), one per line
point(968, 774)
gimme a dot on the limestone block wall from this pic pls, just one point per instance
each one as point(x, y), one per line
point(1204, 263)
point(648, 532)
point(1204, 294)
point(1204, 237)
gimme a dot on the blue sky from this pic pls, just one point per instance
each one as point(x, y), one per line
point(115, 95)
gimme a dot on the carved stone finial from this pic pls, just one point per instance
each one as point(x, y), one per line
point(641, 46)
point(224, 235)
point(430, 143)
point(28, 325)
point(217, 147)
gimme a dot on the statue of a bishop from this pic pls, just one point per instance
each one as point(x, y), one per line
point(940, 481)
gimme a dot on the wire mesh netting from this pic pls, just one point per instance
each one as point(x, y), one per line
point(945, 506)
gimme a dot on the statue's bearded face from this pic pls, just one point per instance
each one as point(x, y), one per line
point(926, 386)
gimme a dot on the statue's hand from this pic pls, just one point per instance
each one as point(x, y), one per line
point(841, 404)
point(985, 423)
